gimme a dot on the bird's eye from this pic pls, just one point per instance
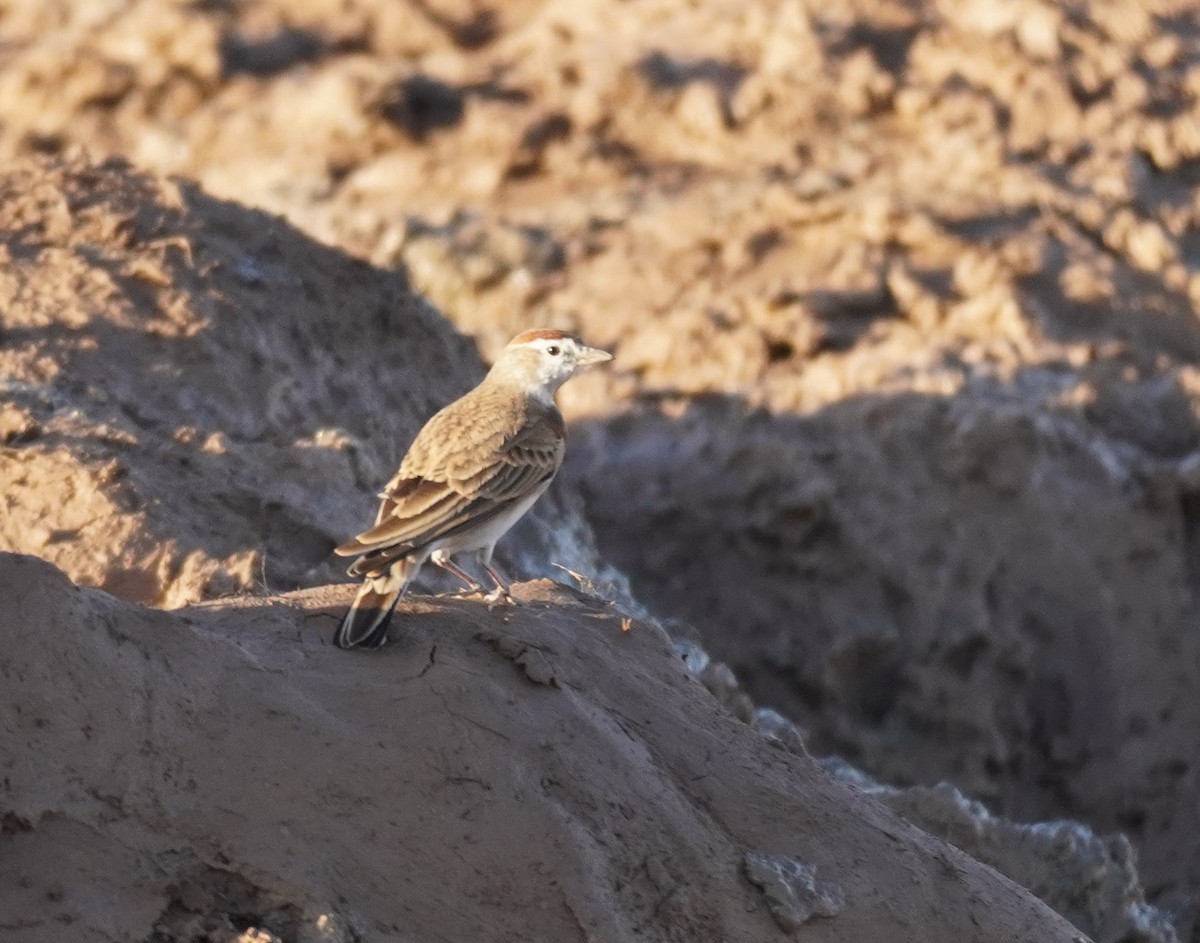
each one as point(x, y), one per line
point(553, 351)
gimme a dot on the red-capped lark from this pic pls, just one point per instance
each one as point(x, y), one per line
point(475, 468)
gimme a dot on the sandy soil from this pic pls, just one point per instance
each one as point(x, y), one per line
point(904, 425)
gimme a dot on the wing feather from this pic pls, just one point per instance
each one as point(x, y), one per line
point(440, 491)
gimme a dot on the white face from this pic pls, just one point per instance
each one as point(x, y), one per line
point(552, 360)
point(557, 359)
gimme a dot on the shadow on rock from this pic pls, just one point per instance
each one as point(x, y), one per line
point(977, 588)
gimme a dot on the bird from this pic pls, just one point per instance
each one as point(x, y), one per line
point(475, 468)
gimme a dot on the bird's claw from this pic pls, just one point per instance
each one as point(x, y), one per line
point(499, 597)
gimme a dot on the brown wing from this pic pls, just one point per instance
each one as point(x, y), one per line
point(440, 489)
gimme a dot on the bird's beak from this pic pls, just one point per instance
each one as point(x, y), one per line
point(592, 355)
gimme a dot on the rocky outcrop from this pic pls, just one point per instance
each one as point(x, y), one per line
point(903, 426)
point(975, 589)
point(547, 772)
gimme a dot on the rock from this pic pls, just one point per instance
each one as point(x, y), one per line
point(1091, 880)
point(979, 210)
point(942, 591)
point(794, 895)
point(223, 428)
point(224, 769)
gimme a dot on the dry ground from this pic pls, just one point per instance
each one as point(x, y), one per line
point(904, 297)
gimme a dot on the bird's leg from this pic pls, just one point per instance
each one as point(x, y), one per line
point(444, 561)
point(501, 593)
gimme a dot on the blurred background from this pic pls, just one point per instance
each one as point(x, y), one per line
point(903, 424)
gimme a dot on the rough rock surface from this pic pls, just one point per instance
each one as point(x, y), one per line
point(200, 400)
point(965, 589)
point(1090, 879)
point(905, 296)
point(223, 769)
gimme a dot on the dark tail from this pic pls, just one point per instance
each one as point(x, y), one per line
point(366, 623)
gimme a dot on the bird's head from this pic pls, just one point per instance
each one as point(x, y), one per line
point(542, 360)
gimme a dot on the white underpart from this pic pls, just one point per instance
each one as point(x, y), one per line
point(484, 536)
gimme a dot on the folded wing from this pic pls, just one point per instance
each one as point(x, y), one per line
point(441, 491)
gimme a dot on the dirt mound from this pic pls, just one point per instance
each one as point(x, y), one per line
point(905, 296)
point(1090, 879)
point(530, 774)
point(199, 400)
point(962, 589)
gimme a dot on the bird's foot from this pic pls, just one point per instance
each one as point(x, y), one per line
point(500, 596)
